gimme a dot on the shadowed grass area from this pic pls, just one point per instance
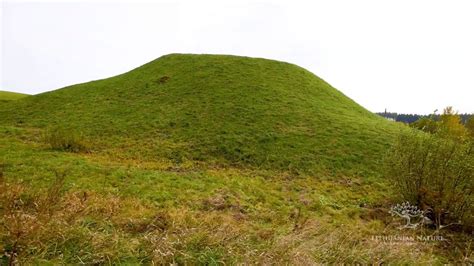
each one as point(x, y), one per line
point(216, 110)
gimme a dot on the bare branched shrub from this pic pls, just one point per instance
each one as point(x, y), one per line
point(436, 174)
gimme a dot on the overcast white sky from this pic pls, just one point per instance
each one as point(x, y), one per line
point(409, 56)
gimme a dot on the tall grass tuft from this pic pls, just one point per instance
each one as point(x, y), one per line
point(63, 139)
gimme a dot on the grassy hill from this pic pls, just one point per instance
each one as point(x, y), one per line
point(215, 109)
point(9, 96)
point(203, 160)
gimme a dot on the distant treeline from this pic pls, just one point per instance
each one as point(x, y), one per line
point(410, 118)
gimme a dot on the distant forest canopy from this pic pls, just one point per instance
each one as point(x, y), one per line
point(410, 118)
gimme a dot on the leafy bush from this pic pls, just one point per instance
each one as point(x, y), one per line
point(436, 174)
point(449, 125)
point(65, 140)
point(426, 124)
point(470, 127)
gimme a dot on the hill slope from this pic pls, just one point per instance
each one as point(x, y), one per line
point(223, 110)
point(8, 96)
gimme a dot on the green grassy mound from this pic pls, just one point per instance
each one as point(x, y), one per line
point(221, 110)
point(109, 172)
point(9, 96)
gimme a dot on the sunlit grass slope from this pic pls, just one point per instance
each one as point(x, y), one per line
point(8, 96)
point(216, 109)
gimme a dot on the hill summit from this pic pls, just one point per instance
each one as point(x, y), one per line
point(217, 109)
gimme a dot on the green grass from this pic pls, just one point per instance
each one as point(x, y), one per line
point(217, 110)
point(230, 160)
point(109, 212)
point(10, 96)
